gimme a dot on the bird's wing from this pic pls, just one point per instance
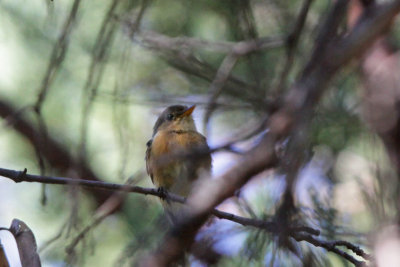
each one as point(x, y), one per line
point(203, 161)
point(207, 160)
point(148, 166)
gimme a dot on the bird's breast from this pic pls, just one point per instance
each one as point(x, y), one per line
point(176, 174)
point(174, 142)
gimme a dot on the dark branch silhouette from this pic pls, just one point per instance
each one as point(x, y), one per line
point(299, 233)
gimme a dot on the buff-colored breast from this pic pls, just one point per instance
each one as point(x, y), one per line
point(177, 175)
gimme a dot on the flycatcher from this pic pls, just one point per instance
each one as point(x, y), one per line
point(174, 136)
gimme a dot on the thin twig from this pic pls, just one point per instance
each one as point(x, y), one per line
point(105, 210)
point(53, 239)
point(291, 44)
point(154, 40)
point(223, 102)
point(217, 85)
point(22, 176)
point(331, 246)
point(99, 56)
point(58, 54)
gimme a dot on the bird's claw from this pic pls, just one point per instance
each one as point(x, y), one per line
point(163, 193)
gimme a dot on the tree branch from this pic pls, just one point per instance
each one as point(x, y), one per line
point(217, 85)
point(23, 176)
point(332, 246)
point(291, 44)
point(157, 41)
point(299, 233)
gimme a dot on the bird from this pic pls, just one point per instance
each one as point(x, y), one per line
point(177, 155)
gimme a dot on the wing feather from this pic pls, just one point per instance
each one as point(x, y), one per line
point(148, 159)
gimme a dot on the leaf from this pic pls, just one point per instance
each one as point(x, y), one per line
point(26, 244)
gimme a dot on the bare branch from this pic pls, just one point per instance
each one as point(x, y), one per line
point(216, 86)
point(22, 176)
point(298, 232)
point(100, 54)
point(332, 246)
point(157, 41)
point(18, 176)
point(60, 49)
point(291, 44)
point(58, 54)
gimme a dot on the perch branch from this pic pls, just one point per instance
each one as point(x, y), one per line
point(300, 233)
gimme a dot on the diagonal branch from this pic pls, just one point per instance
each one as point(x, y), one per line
point(291, 44)
point(332, 247)
point(57, 56)
point(217, 85)
point(330, 54)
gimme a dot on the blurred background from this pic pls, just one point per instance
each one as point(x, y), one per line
point(82, 83)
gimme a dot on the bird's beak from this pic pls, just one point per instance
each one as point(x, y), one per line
point(188, 112)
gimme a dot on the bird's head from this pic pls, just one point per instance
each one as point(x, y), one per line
point(175, 118)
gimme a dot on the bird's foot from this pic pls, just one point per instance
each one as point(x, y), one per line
point(163, 193)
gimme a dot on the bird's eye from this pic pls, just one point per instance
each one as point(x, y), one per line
point(170, 117)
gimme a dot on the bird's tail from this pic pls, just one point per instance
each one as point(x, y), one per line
point(173, 210)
